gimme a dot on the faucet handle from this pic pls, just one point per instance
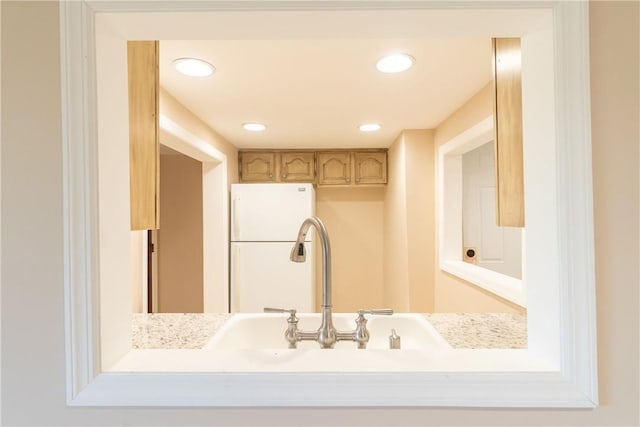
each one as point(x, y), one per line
point(378, 311)
point(291, 311)
point(292, 320)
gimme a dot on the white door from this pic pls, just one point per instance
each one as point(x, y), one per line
point(262, 275)
point(496, 248)
point(270, 212)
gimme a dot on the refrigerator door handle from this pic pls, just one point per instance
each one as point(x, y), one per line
point(236, 219)
point(236, 281)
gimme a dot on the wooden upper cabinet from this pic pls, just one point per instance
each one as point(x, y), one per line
point(334, 168)
point(508, 131)
point(298, 166)
point(370, 167)
point(257, 166)
point(144, 161)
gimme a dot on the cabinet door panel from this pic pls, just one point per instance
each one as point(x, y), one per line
point(257, 166)
point(370, 167)
point(298, 167)
point(334, 168)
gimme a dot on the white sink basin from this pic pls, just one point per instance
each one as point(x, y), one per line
point(266, 331)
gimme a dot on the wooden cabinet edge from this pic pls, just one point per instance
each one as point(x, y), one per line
point(144, 156)
point(157, 138)
point(508, 137)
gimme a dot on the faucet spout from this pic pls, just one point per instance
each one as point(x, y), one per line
point(326, 334)
point(299, 254)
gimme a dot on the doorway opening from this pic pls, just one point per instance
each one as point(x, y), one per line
point(177, 261)
point(161, 285)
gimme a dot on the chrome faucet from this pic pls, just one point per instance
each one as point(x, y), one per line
point(326, 335)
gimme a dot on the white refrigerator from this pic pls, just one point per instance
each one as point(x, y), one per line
point(265, 219)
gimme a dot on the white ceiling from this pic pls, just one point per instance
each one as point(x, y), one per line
point(315, 93)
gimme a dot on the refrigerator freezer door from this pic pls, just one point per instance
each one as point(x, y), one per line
point(270, 212)
point(263, 276)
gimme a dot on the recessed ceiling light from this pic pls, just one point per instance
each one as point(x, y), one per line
point(370, 127)
point(254, 127)
point(193, 67)
point(395, 63)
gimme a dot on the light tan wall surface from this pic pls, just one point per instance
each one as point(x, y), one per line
point(477, 108)
point(354, 220)
point(33, 349)
point(396, 265)
point(421, 226)
point(180, 262)
point(409, 223)
point(451, 293)
point(138, 273)
point(615, 126)
point(174, 110)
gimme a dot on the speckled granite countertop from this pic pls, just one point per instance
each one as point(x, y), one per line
point(461, 330)
point(175, 330)
point(481, 330)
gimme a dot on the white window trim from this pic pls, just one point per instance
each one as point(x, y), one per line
point(573, 381)
point(502, 285)
point(450, 241)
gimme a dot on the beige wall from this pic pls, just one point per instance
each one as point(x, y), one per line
point(420, 170)
point(451, 293)
point(409, 223)
point(180, 262)
point(138, 269)
point(179, 114)
point(615, 125)
point(354, 219)
point(396, 266)
point(477, 108)
point(33, 370)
